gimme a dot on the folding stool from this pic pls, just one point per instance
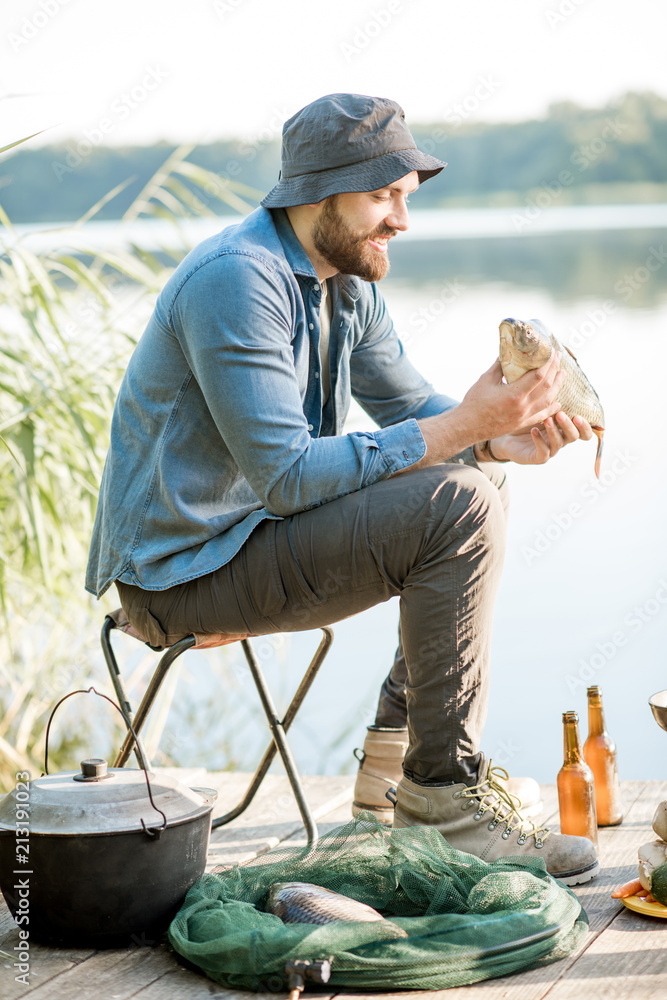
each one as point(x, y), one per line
point(279, 727)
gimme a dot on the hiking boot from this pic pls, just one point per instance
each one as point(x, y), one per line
point(482, 819)
point(381, 768)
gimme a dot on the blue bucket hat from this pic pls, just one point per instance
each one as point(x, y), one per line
point(342, 143)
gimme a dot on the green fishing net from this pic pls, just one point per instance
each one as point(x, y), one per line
point(465, 920)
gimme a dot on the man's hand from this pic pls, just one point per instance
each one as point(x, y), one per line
point(494, 408)
point(536, 445)
point(491, 409)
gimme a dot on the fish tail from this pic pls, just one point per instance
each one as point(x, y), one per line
point(599, 432)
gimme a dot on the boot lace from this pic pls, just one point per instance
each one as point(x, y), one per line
point(492, 795)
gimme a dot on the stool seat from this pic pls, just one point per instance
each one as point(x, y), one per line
point(203, 640)
point(279, 727)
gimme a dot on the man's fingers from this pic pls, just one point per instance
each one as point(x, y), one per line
point(583, 427)
point(541, 415)
point(540, 388)
point(542, 448)
point(554, 436)
point(545, 375)
point(573, 429)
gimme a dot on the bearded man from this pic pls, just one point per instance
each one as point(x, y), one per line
point(232, 502)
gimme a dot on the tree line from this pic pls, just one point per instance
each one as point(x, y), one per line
point(618, 152)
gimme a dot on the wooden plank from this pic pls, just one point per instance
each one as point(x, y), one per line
point(626, 956)
point(45, 961)
point(184, 984)
point(550, 799)
point(628, 961)
point(618, 852)
point(273, 815)
point(113, 973)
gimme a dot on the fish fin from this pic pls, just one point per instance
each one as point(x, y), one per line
point(599, 432)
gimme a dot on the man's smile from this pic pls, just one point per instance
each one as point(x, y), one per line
point(379, 243)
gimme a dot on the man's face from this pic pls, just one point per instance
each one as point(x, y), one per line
point(352, 231)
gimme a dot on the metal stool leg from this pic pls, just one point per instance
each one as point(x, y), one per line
point(278, 730)
point(123, 701)
point(277, 726)
point(151, 693)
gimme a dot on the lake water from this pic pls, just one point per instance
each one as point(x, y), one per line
point(426, 224)
point(583, 598)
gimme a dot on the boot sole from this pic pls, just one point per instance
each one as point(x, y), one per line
point(578, 877)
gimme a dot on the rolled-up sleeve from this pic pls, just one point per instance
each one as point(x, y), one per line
point(241, 356)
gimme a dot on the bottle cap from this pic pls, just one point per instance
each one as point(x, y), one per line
point(570, 717)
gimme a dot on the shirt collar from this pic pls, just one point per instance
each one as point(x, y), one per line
point(298, 259)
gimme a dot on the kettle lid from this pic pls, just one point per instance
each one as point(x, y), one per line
point(98, 800)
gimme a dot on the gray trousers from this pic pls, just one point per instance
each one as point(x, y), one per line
point(433, 537)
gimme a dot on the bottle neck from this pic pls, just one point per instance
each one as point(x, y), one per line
point(596, 726)
point(571, 742)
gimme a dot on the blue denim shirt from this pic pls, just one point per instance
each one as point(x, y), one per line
point(219, 420)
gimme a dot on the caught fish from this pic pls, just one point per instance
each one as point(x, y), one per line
point(524, 346)
point(304, 903)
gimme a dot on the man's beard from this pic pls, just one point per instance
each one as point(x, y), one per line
point(345, 249)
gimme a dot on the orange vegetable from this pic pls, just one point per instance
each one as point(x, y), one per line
point(633, 888)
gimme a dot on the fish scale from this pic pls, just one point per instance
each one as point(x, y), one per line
point(303, 902)
point(526, 346)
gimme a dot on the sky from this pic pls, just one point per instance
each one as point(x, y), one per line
point(138, 71)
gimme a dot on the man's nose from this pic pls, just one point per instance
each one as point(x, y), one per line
point(398, 218)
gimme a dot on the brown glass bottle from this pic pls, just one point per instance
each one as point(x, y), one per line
point(576, 789)
point(600, 755)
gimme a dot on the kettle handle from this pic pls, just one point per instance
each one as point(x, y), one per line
point(150, 831)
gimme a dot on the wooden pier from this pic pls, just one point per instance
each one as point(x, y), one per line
point(624, 956)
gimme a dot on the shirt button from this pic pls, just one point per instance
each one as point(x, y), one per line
point(316, 287)
point(310, 326)
point(317, 374)
point(310, 427)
